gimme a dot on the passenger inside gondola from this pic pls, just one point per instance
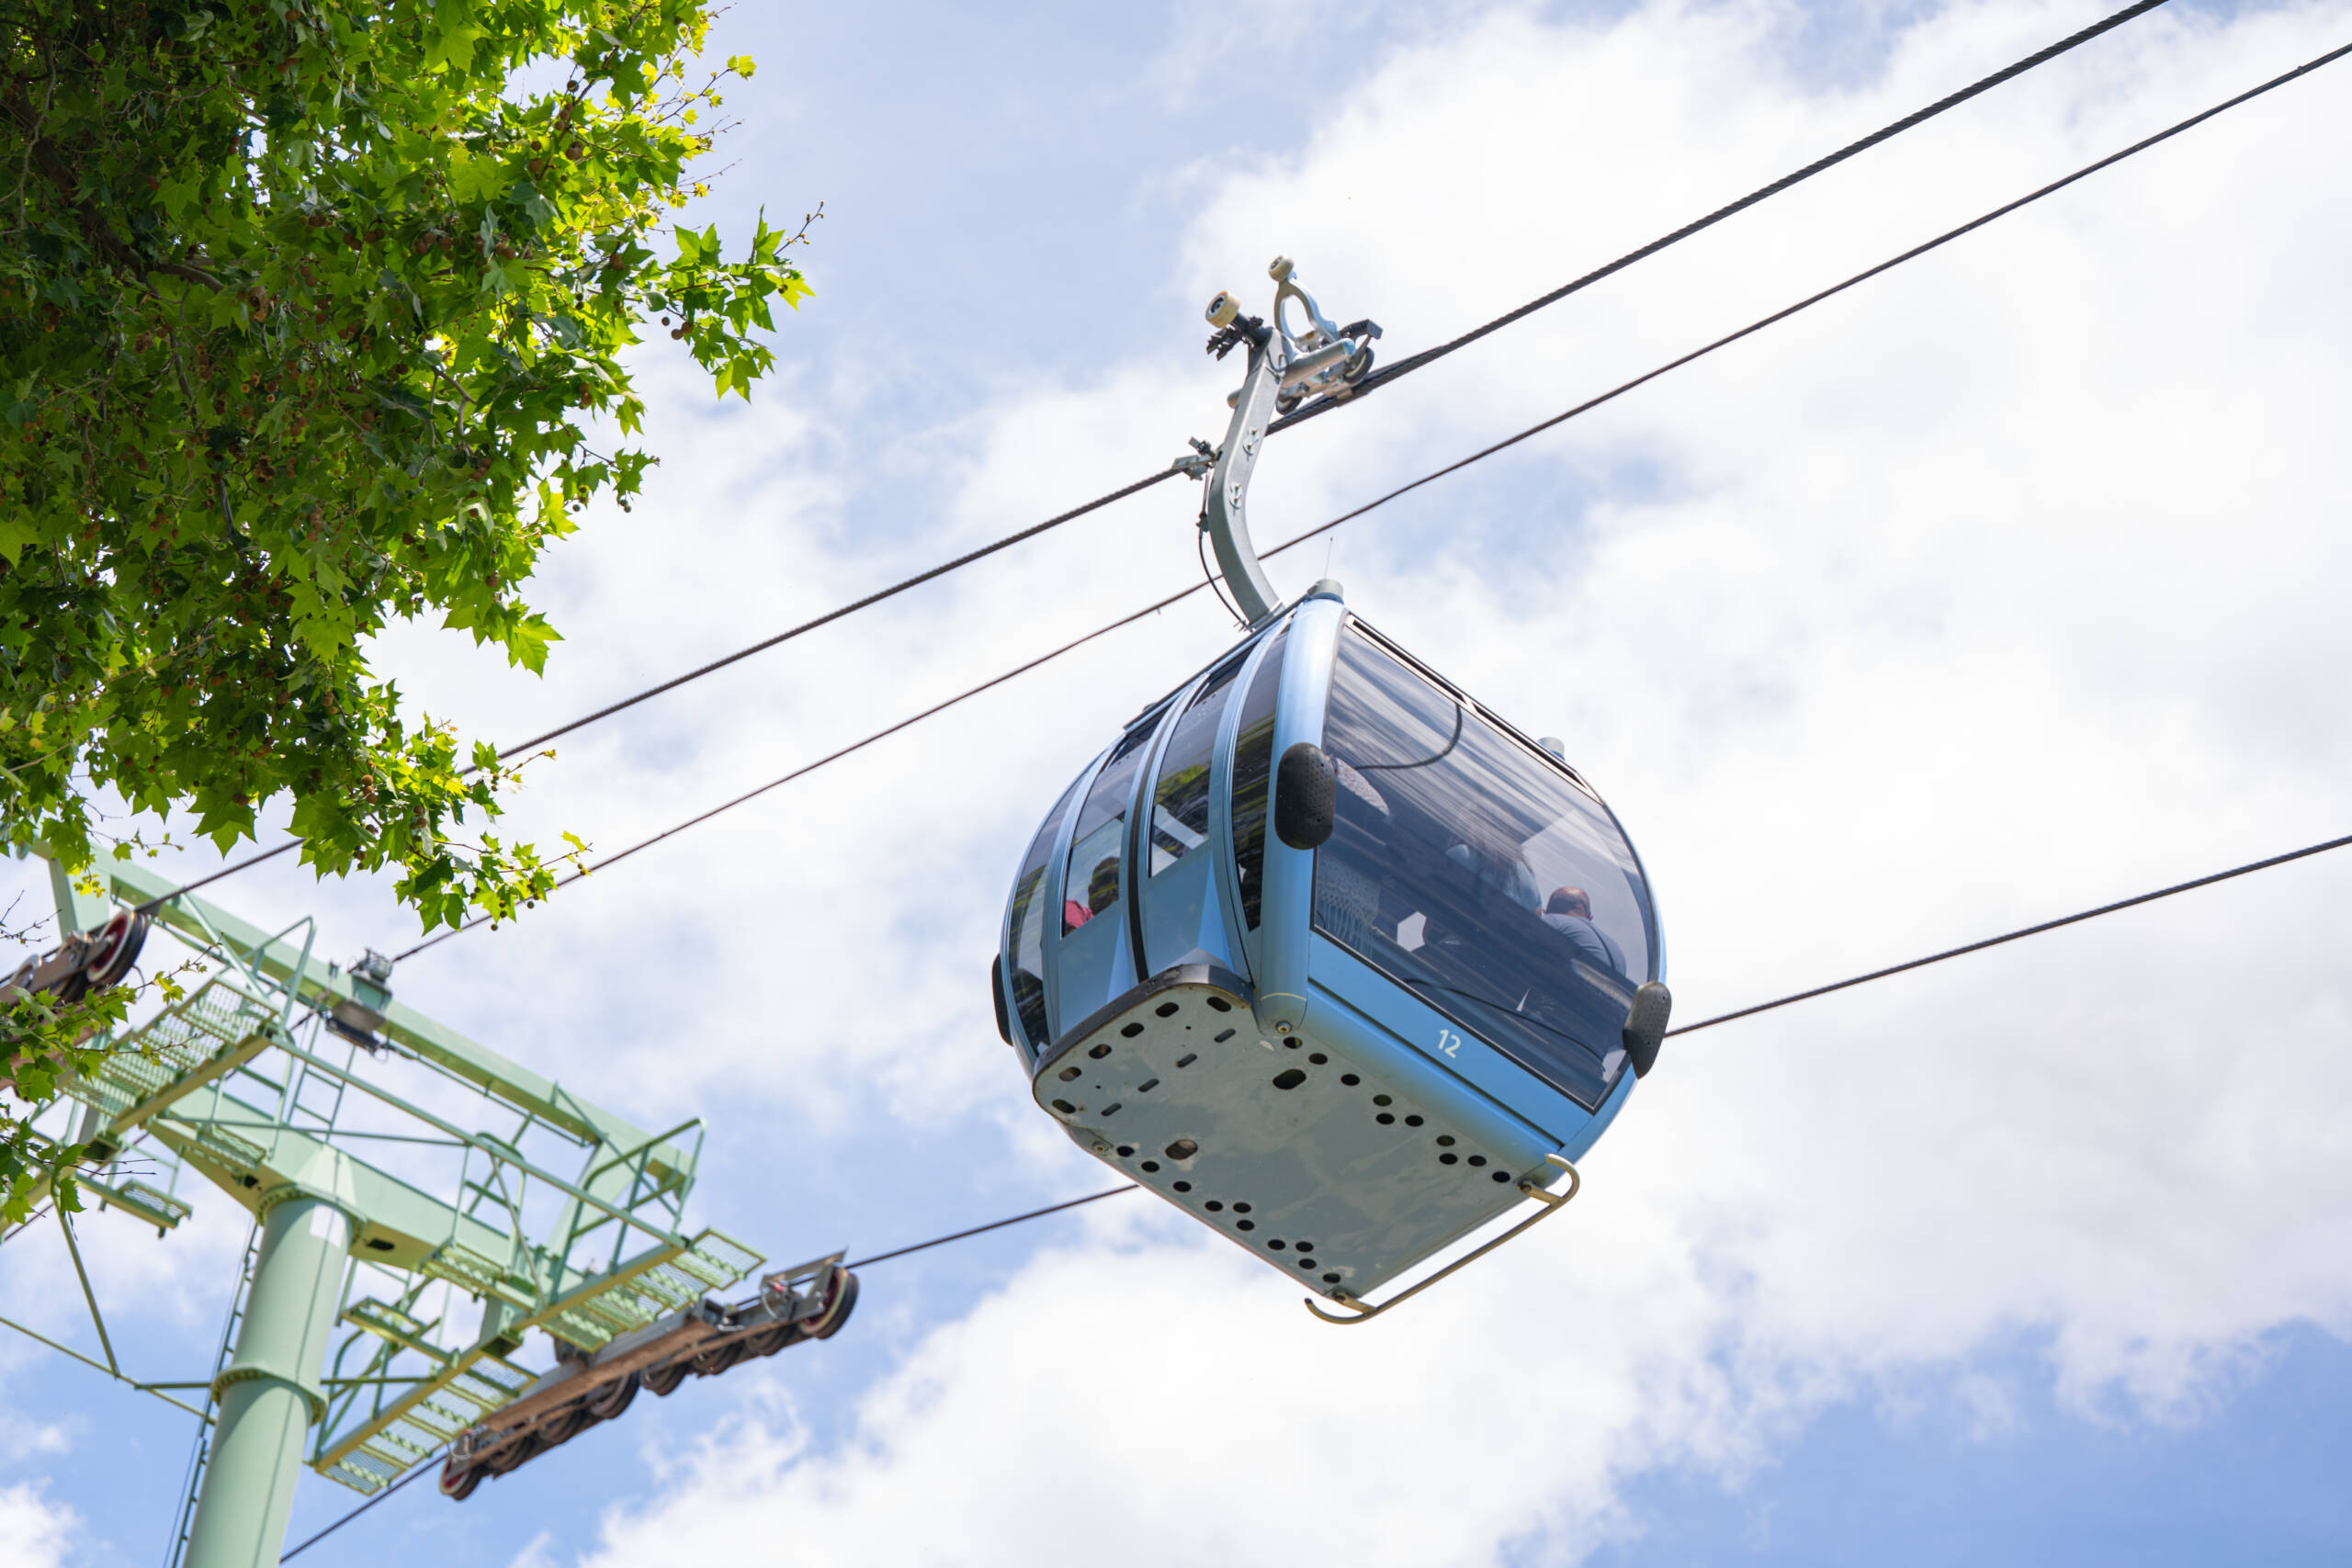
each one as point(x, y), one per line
point(1099, 837)
point(1447, 830)
point(1569, 912)
point(1101, 892)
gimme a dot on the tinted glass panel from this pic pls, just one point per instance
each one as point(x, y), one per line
point(1473, 872)
point(1029, 927)
point(1092, 884)
point(1253, 767)
point(1180, 801)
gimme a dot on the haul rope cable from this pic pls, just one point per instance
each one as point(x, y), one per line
point(1710, 1022)
point(1407, 366)
point(2019, 934)
point(754, 794)
point(424, 1466)
point(1379, 378)
point(1455, 467)
point(1403, 368)
point(1793, 998)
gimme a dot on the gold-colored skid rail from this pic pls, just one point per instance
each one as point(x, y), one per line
point(1364, 1311)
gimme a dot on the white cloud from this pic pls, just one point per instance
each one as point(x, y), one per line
point(1994, 589)
point(34, 1532)
point(2001, 586)
point(143, 1284)
point(537, 1553)
point(20, 1438)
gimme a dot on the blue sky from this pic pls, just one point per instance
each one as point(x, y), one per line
point(1999, 588)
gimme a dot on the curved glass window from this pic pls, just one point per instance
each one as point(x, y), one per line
point(1253, 771)
point(1473, 872)
point(1092, 883)
point(1029, 927)
point(1180, 801)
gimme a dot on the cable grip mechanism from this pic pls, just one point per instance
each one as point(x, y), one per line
point(1287, 367)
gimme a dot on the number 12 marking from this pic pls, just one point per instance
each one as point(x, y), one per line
point(1449, 1043)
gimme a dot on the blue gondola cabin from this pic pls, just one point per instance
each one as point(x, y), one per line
point(1330, 957)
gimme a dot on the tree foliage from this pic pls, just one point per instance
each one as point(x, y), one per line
point(42, 1040)
point(308, 309)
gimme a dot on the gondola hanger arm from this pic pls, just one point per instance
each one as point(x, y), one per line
point(1286, 367)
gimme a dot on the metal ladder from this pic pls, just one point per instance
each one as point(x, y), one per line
point(202, 1450)
point(313, 1098)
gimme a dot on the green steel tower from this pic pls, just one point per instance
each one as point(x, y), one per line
point(399, 1177)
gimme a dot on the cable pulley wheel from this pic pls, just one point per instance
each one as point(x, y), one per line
point(114, 949)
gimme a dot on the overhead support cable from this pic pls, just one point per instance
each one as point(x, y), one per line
point(423, 1467)
point(209, 878)
point(738, 656)
point(1484, 452)
point(1381, 376)
point(1808, 995)
point(1403, 368)
point(830, 758)
point(992, 1225)
point(1795, 997)
point(2019, 934)
point(829, 617)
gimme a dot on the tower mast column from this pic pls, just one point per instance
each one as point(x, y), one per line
point(270, 1395)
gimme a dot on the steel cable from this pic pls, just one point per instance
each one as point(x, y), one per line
point(831, 757)
point(1429, 356)
point(992, 1225)
point(1378, 377)
point(1403, 368)
point(423, 1467)
point(1794, 996)
point(1484, 452)
point(2017, 935)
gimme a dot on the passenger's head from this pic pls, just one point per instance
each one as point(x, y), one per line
point(1103, 888)
point(1568, 902)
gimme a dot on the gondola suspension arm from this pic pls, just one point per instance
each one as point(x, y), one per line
point(1287, 368)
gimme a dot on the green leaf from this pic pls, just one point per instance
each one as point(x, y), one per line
point(527, 644)
point(475, 179)
point(179, 193)
point(342, 408)
point(454, 35)
point(536, 206)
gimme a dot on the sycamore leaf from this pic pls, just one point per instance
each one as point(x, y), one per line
point(475, 179)
point(526, 643)
point(356, 397)
point(179, 194)
point(453, 36)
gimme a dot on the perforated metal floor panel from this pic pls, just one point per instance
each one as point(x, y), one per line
point(1311, 1159)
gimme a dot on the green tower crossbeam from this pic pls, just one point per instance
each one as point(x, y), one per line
point(379, 1207)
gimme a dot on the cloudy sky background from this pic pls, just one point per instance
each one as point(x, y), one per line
point(2005, 585)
